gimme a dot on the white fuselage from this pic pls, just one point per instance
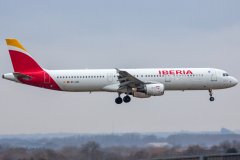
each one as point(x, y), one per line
point(107, 79)
point(140, 83)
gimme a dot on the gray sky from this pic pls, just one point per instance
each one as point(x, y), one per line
point(123, 34)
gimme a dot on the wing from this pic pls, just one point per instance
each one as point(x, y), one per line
point(128, 81)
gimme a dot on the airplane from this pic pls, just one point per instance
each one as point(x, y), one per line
point(139, 83)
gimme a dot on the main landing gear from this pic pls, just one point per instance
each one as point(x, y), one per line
point(211, 93)
point(125, 99)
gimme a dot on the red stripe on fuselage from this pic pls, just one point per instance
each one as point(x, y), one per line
point(40, 79)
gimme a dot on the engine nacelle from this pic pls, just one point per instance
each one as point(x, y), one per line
point(154, 89)
point(140, 95)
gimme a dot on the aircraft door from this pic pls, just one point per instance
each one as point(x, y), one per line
point(46, 78)
point(213, 75)
point(110, 77)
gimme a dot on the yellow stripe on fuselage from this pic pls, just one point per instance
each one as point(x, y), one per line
point(15, 43)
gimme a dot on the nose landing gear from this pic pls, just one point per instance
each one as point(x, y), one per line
point(211, 99)
point(211, 95)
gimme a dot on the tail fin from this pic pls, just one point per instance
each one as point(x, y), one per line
point(21, 59)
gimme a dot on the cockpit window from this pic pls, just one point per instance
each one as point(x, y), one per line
point(225, 74)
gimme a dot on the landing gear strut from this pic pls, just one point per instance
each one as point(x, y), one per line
point(211, 93)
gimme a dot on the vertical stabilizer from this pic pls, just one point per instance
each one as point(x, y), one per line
point(21, 59)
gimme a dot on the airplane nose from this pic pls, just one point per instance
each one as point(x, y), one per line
point(234, 81)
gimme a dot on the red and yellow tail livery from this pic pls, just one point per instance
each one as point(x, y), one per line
point(21, 60)
point(26, 69)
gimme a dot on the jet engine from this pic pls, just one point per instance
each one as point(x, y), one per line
point(149, 90)
point(154, 89)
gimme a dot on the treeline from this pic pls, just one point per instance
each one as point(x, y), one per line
point(107, 140)
point(93, 151)
point(201, 139)
point(126, 140)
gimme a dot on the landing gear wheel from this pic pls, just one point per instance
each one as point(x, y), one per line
point(210, 94)
point(126, 99)
point(118, 100)
point(211, 99)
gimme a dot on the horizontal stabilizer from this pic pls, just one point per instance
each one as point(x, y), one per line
point(23, 76)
